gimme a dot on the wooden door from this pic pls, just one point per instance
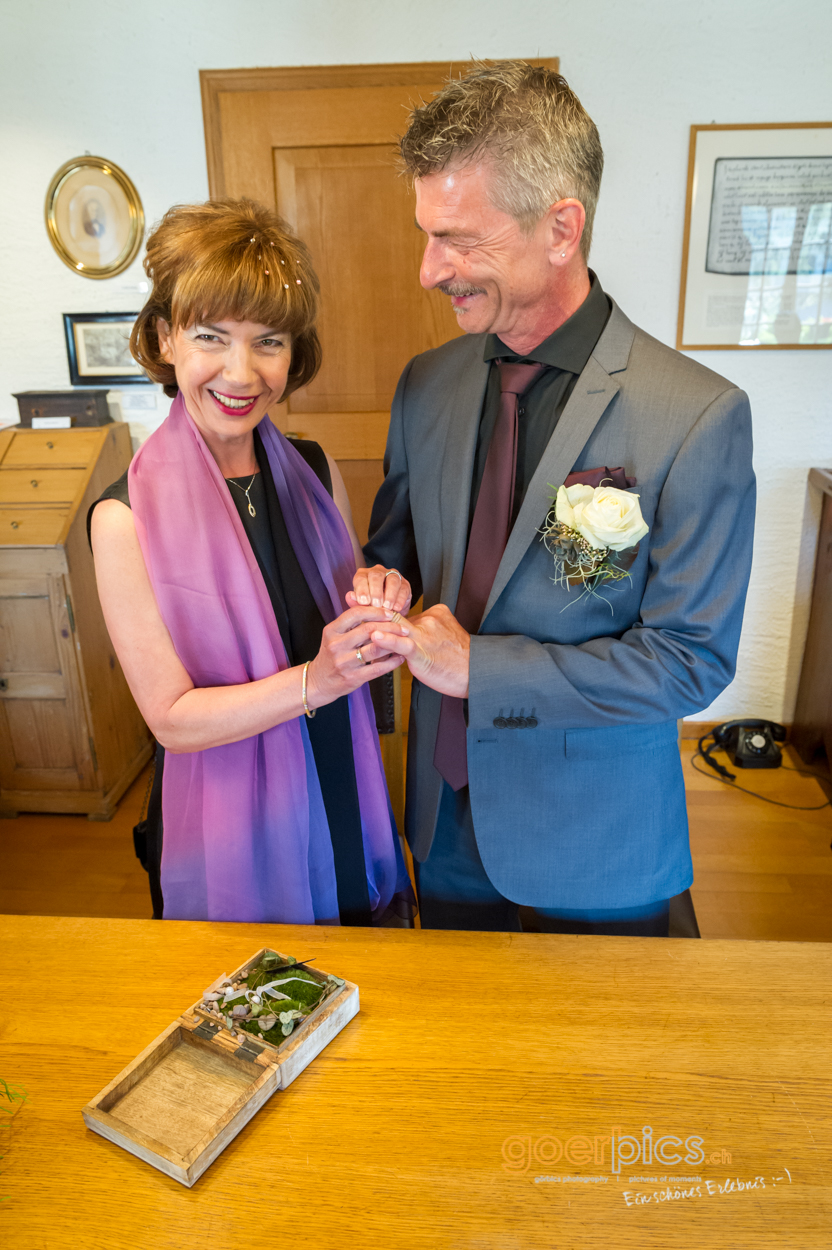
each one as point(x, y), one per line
point(44, 737)
point(320, 144)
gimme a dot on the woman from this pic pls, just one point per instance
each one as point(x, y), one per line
point(222, 583)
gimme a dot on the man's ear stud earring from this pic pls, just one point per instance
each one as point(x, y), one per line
point(563, 253)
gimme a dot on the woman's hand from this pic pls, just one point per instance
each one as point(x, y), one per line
point(380, 587)
point(347, 658)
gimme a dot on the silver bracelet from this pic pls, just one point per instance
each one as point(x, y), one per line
point(310, 712)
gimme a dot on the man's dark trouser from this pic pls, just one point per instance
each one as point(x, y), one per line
point(455, 892)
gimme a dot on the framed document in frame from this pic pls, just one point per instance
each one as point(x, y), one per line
point(757, 257)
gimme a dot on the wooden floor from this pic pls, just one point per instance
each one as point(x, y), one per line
point(71, 866)
point(760, 871)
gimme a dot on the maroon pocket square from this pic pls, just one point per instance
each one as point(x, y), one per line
point(594, 477)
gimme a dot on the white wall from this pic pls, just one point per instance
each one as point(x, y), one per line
point(122, 81)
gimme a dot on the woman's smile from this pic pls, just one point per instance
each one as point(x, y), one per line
point(240, 404)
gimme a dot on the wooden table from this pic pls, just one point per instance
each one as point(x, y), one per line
point(435, 1118)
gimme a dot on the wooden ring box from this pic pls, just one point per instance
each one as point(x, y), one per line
point(190, 1092)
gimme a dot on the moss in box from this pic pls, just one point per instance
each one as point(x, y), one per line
point(276, 987)
point(302, 987)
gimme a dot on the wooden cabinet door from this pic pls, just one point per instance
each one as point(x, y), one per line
point(320, 145)
point(812, 729)
point(44, 738)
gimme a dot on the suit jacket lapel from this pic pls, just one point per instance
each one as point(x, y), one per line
point(593, 393)
point(464, 410)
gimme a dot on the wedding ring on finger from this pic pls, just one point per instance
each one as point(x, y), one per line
point(396, 618)
point(360, 657)
point(393, 572)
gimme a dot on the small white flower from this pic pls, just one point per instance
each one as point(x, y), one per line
point(606, 517)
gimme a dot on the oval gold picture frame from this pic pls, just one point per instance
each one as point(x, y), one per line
point(94, 217)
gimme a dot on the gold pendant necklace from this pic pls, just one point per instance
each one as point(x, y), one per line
point(245, 490)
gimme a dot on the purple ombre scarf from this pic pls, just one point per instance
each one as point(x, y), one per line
point(245, 832)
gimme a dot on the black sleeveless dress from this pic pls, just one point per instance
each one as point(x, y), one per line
point(301, 625)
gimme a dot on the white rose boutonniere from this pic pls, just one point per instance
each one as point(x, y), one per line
point(587, 531)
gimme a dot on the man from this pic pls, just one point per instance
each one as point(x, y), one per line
point(543, 765)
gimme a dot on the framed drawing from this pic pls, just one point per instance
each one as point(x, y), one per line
point(98, 349)
point(757, 258)
point(94, 217)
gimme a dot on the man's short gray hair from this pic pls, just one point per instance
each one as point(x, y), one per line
point(527, 123)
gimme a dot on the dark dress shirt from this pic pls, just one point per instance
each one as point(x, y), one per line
point(566, 351)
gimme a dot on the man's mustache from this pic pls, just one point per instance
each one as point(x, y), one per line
point(460, 288)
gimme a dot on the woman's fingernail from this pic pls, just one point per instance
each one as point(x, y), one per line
point(364, 599)
point(376, 603)
point(388, 605)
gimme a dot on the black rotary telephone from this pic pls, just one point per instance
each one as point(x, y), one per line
point(749, 743)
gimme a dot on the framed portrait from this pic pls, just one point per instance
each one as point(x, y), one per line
point(757, 256)
point(98, 349)
point(94, 217)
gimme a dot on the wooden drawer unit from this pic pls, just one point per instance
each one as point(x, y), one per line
point(71, 737)
point(49, 449)
point(27, 527)
point(39, 486)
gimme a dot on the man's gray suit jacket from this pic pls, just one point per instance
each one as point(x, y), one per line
point(588, 808)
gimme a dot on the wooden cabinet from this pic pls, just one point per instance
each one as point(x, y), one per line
point(71, 737)
point(812, 730)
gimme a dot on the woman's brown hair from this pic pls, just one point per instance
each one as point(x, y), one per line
point(228, 259)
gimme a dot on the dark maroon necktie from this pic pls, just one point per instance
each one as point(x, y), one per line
point(486, 544)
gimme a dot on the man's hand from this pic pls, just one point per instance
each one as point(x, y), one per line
point(380, 587)
point(436, 648)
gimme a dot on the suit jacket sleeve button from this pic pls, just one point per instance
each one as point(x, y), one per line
point(513, 722)
point(499, 722)
point(531, 722)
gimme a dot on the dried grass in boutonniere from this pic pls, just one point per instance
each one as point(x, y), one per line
point(593, 534)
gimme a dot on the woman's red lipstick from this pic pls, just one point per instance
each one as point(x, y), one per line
point(235, 408)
